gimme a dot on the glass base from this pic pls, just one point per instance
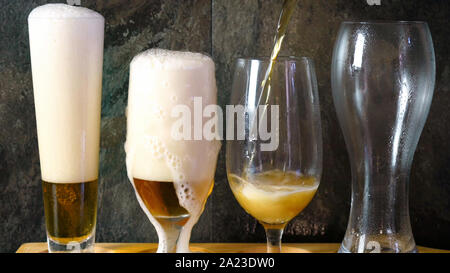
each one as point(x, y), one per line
point(85, 246)
point(376, 247)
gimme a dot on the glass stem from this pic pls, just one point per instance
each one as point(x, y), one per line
point(274, 234)
point(168, 241)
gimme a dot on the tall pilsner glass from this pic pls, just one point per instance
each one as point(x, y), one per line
point(383, 79)
point(66, 46)
point(170, 162)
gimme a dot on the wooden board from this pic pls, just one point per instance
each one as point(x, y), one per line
point(207, 247)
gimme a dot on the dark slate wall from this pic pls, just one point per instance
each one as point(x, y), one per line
point(225, 29)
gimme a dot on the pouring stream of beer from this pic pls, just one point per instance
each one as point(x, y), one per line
point(283, 21)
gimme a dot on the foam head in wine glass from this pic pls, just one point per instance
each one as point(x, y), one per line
point(160, 81)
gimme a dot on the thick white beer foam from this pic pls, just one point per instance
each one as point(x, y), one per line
point(63, 11)
point(67, 61)
point(159, 81)
point(166, 59)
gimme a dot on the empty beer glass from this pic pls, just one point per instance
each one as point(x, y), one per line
point(382, 79)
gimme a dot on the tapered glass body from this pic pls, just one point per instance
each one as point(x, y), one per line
point(66, 46)
point(382, 79)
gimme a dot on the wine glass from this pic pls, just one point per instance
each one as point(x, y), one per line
point(383, 79)
point(274, 151)
point(172, 176)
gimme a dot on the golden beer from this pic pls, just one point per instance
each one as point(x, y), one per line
point(70, 210)
point(161, 200)
point(273, 197)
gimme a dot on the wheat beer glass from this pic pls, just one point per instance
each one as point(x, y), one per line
point(383, 77)
point(274, 150)
point(66, 46)
point(170, 162)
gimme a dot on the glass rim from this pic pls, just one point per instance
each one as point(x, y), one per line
point(383, 22)
point(279, 58)
point(63, 19)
